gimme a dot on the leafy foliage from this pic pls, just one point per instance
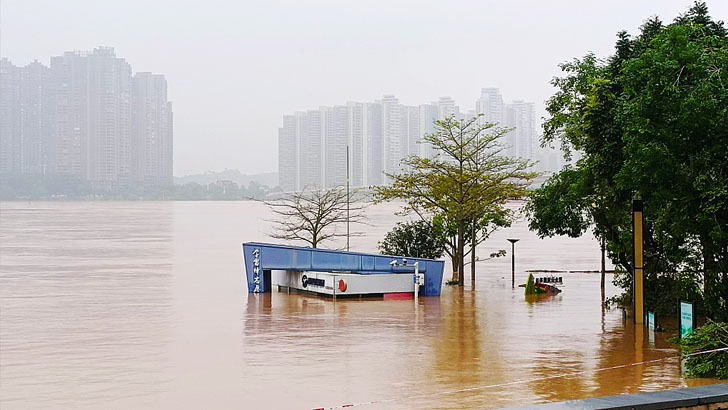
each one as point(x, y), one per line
point(713, 335)
point(649, 122)
point(414, 239)
point(561, 205)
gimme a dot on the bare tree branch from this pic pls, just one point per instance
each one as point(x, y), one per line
point(313, 215)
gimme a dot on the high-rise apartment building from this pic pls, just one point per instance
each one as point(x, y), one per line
point(392, 134)
point(521, 116)
point(311, 129)
point(288, 140)
point(151, 132)
point(412, 133)
point(86, 115)
point(109, 118)
point(25, 118)
point(447, 108)
point(357, 143)
point(36, 118)
point(375, 144)
point(335, 143)
point(427, 113)
point(10, 114)
point(490, 104)
point(69, 76)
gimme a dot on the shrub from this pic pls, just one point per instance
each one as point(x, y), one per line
point(414, 239)
point(713, 335)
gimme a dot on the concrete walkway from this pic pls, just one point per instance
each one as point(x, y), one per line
point(699, 398)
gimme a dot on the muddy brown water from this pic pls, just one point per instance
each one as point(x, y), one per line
point(143, 305)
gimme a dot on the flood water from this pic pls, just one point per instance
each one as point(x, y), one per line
point(143, 305)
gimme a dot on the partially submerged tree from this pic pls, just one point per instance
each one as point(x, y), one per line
point(480, 229)
point(467, 178)
point(314, 215)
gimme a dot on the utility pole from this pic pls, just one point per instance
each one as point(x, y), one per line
point(347, 197)
point(603, 266)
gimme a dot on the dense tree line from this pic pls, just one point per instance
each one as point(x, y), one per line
point(649, 122)
point(65, 187)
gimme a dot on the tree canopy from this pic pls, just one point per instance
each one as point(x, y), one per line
point(415, 239)
point(468, 178)
point(649, 122)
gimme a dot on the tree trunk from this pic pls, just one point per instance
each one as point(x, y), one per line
point(472, 256)
point(461, 252)
point(455, 266)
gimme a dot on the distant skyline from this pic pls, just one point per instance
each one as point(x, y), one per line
point(235, 68)
point(314, 144)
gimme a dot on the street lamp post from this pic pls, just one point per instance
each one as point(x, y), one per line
point(513, 261)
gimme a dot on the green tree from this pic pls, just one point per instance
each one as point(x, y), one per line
point(414, 239)
point(713, 335)
point(468, 177)
point(649, 122)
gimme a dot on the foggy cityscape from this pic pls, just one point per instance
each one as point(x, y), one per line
point(233, 70)
point(313, 145)
point(88, 116)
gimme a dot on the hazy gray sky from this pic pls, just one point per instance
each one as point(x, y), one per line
point(234, 68)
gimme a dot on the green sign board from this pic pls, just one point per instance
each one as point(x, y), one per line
point(651, 320)
point(686, 318)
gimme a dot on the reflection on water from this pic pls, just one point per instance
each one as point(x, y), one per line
point(143, 305)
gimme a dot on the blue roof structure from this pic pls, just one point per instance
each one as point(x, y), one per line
point(261, 257)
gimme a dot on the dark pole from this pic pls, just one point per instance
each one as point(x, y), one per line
point(513, 261)
point(603, 266)
point(347, 197)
